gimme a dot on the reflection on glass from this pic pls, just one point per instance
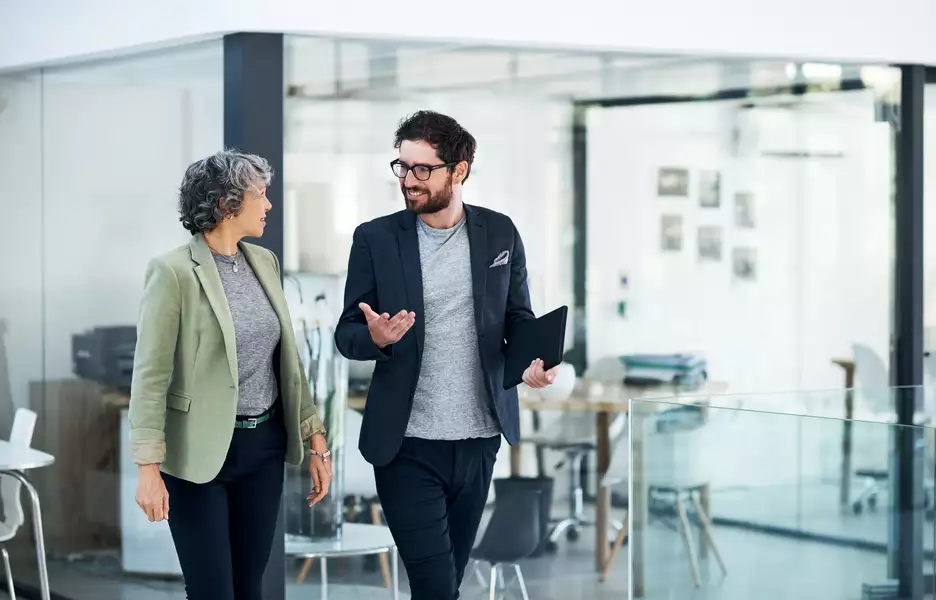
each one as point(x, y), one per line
point(729, 485)
point(97, 152)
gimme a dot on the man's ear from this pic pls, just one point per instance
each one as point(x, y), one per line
point(460, 172)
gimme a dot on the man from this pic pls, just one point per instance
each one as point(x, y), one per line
point(432, 293)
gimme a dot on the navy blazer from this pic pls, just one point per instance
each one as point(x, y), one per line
point(384, 271)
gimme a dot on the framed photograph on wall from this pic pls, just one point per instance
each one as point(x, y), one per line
point(745, 263)
point(673, 182)
point(744, 210)
point(710, 243)
point(710, 189)
point(671, 233)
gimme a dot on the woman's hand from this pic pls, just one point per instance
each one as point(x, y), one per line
point(320, 466)
point(151, 495)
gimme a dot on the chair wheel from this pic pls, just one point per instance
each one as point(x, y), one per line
point(551, 547)
point(872, 502)
point(572, 534)
point(857, 507)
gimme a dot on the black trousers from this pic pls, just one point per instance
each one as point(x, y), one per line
point(223, 530)
point(433, 494)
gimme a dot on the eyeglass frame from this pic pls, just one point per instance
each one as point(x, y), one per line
point(410, 169)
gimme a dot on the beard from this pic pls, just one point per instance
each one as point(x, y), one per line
point(429, 203)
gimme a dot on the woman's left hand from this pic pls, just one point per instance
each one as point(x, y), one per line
point(320, 467)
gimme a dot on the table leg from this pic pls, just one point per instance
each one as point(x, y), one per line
point(846, 474)
point(324, 570)
point(515, 461)
point(603, 501)
point(638, 512)
point(395, 572)
point(37, 532)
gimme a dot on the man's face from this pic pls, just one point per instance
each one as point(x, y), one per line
point(429, 196)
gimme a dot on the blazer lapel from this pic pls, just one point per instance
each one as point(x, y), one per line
point(207, 273)
point(478, 240)
point(412, 273)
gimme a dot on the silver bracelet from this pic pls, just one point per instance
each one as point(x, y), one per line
point(324, 455)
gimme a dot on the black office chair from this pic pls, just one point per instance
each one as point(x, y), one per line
point(512, 535)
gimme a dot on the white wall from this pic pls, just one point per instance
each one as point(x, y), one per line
point(821, 237)
point(54, 30)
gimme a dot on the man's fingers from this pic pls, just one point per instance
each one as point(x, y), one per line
point(369, 313)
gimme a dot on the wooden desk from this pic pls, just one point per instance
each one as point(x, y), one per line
point(606, 401)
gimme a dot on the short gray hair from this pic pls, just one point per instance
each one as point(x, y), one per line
point(214, 187)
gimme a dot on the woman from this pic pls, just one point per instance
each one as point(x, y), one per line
point(219, 399)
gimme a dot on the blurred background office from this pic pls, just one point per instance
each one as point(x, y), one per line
point(734, 214)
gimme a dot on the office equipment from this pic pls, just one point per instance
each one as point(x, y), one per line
point(543, 338)
point(105, 355)
point(688, 371)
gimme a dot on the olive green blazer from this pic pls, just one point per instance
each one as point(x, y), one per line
point(183, 397)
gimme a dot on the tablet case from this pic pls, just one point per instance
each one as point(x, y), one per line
point(543, 338)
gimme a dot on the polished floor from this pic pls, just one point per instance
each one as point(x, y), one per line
point(758, 566)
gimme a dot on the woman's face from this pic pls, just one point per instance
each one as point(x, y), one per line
point(252, 218)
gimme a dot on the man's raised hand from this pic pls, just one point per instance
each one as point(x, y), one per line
point(385, 330)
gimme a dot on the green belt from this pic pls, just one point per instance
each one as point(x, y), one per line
point(252, 422)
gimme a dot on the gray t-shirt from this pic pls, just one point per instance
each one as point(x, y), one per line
point(256, 331)
point(450, 401)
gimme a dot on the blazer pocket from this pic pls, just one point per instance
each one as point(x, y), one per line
point(177, 401)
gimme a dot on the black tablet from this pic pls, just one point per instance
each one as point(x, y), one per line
point(542, 338)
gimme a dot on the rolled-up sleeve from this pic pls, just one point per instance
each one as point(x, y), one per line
point(157, 334)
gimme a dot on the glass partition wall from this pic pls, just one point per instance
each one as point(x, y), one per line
point(732, 209)
point(714, 479)
point(96, 152)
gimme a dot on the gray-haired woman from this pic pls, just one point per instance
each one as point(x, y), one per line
point(219, 398)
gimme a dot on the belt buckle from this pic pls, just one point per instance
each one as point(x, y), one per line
point(251, 423)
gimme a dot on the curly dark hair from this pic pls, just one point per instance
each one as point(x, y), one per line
point(452, 142)
point(214, 187)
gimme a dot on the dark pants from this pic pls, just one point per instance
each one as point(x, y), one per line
point(433, 494)
point(223, 530)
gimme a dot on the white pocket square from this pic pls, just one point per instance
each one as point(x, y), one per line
point(501, 259)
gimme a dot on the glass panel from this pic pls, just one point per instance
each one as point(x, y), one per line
point(99, 183)
point(728, 497)
point(21, 279)
point(751, 224)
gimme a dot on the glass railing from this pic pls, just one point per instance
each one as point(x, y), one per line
point(776, 496)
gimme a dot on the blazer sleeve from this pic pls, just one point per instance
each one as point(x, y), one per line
point(518, 293)
point(352, 337)
point(157, 333)
point(309, 422)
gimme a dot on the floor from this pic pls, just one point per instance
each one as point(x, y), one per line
point(765, 566)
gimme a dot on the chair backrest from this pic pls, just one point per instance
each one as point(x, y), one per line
point(24, 424)
point(514, 531)
point(873, 381)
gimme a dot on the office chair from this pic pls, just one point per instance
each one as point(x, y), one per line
point(512, 534)
point(573, 434)
point(24, 424)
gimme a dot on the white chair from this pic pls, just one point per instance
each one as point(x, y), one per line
point(24, 424)
point(679, 461)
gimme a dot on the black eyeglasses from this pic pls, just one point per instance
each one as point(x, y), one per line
point(421, 172)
